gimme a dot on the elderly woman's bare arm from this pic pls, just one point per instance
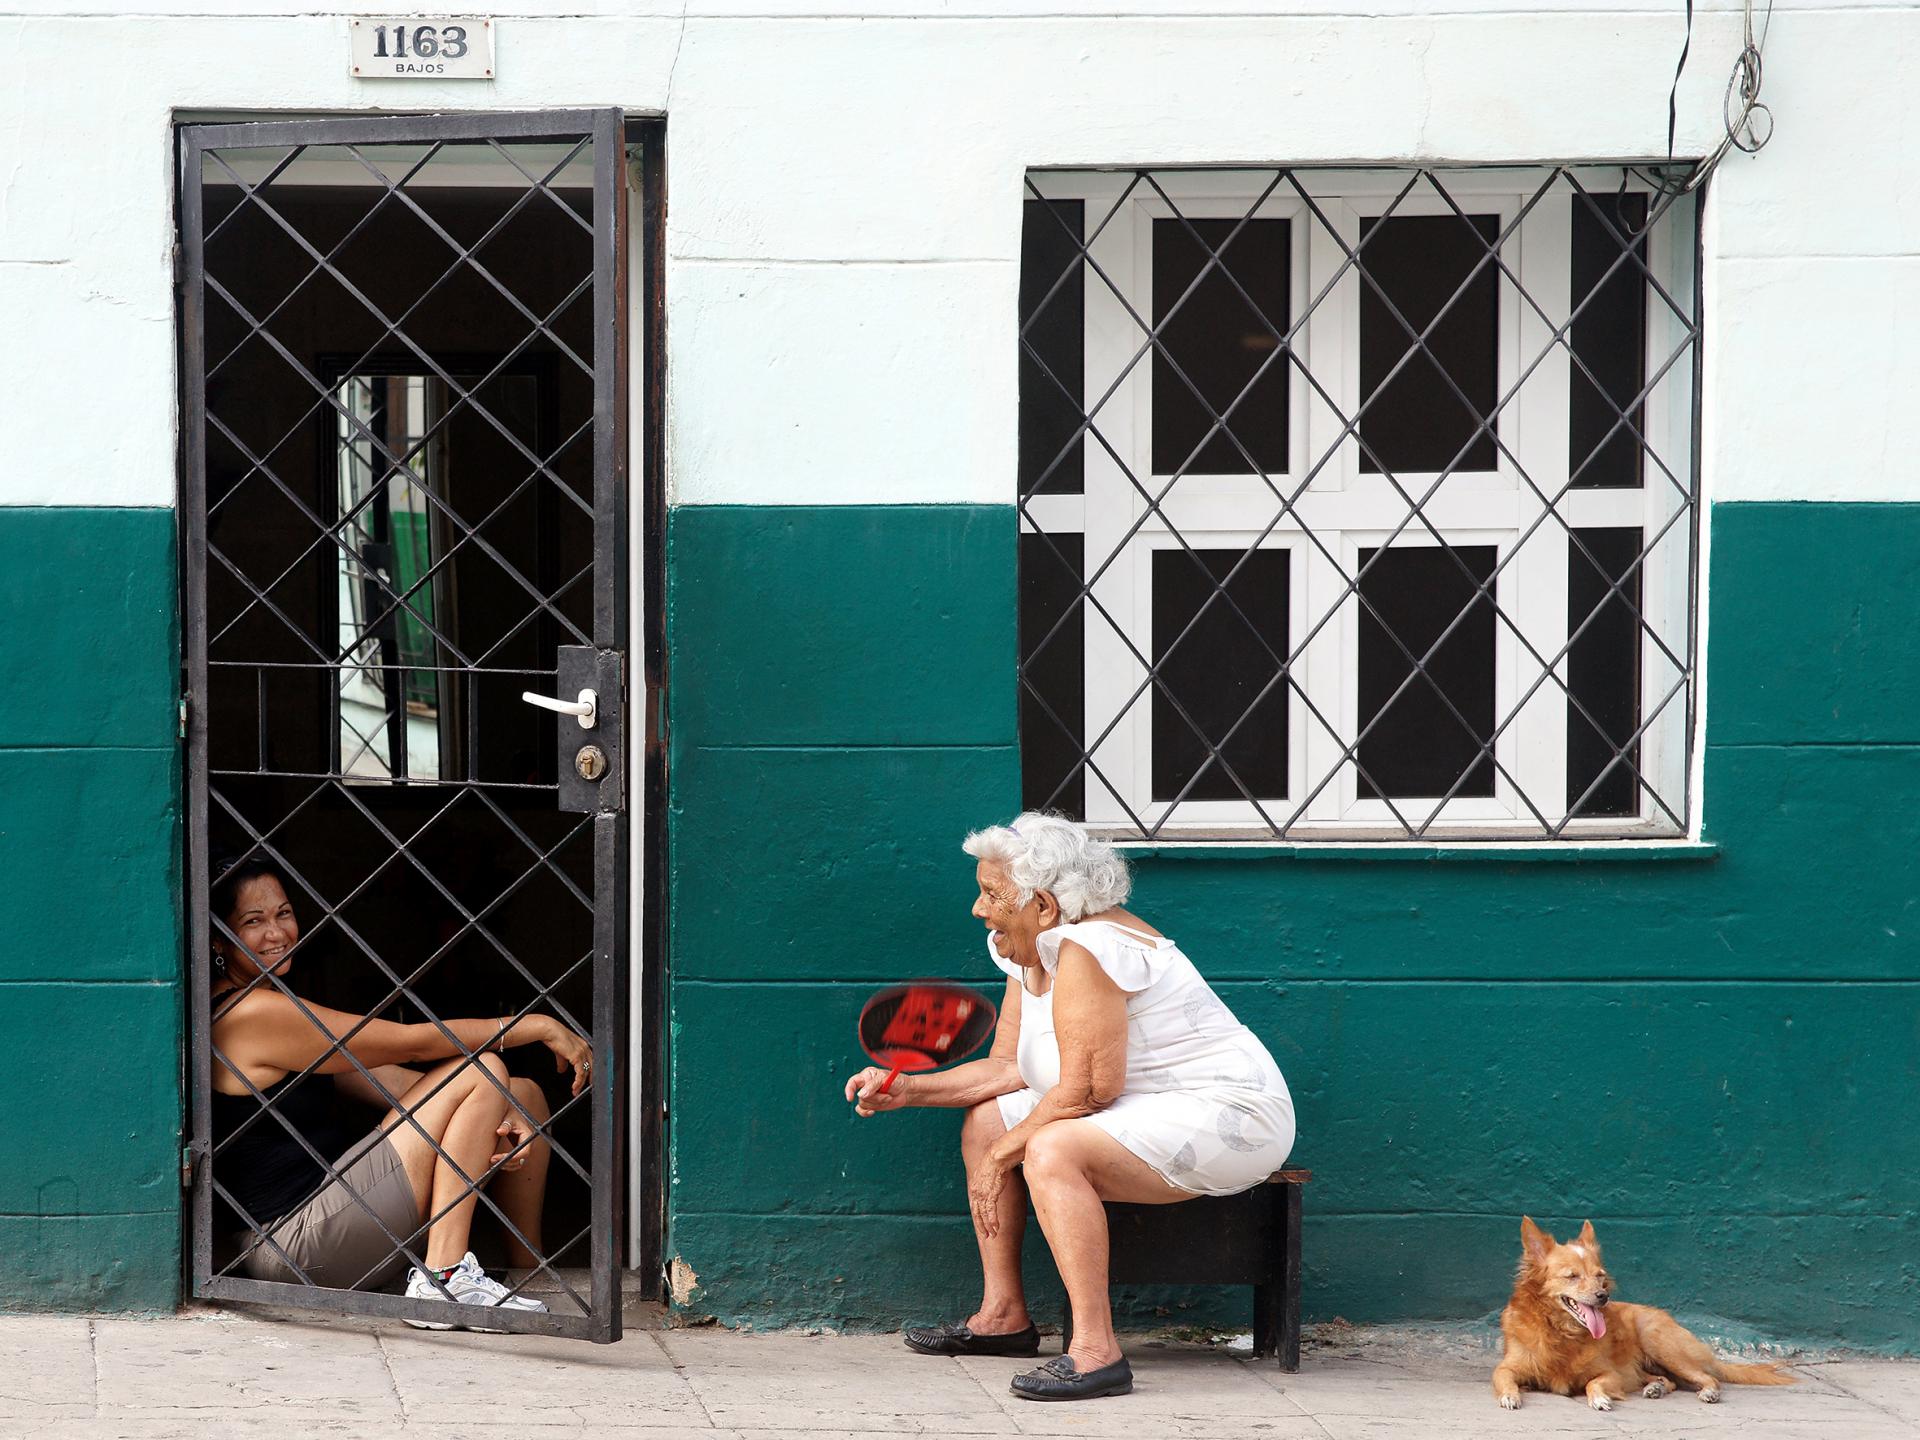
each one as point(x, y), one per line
point(1090, 1021)
point(961, 1087)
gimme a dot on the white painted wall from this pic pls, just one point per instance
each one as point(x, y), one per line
point(844, 198)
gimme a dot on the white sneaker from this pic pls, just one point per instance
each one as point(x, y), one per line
point(480, 1280)
point(467, 1285)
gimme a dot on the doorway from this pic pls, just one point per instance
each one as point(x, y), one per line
point(407, 501)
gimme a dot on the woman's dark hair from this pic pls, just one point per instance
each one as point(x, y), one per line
point(230, 872)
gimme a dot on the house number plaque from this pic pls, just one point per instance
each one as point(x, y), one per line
point(417, 47)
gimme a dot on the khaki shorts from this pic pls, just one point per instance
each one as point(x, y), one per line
point(333, 1238)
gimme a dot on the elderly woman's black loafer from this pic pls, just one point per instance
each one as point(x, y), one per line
point(1061, 1379)
point(960, 1340)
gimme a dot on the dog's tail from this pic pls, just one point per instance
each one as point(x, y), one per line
point(1752, 1374)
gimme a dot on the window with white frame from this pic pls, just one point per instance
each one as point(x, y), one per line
point(1358, 503)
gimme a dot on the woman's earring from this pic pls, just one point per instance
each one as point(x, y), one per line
point(220, 962)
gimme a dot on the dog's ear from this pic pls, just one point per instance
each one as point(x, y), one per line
point(1535, 1241)
point(1586, 1235)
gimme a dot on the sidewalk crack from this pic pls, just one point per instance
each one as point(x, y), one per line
point(992, 1398)
point(685, 1379)
point(1262, 1369)
point(1850, 1394)
point(93, 1354)
point(393, 1381)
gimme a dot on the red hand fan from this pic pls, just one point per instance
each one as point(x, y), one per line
point(924, 1026)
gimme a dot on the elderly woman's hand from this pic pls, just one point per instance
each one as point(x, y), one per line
point(984, 1188)
point(864, 1090)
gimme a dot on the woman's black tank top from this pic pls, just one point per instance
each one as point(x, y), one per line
point(265, 1169)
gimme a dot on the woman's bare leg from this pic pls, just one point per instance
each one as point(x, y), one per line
point(1074, 1167)
point(521, 1194)
point(462, 1118)
point(393, 1082)
point(1003, 1298)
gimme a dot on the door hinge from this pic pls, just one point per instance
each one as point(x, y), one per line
point(186, 1168)
point(179, 270)
point(183, 717)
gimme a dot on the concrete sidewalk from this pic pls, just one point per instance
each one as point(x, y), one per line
point(214, 1373)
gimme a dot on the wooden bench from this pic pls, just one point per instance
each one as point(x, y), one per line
point(1252, 1238)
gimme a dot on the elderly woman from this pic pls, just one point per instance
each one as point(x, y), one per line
point(1116, 1074)
point(460, 1119)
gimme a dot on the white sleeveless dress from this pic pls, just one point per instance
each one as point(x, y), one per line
point(1204, 1102)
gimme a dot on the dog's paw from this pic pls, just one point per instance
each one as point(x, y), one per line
point(1655, 1389)
point(1599, 1402)
point(1710, 1395)
point(1510, 1402)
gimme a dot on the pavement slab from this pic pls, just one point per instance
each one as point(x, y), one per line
point(201, 1428)
point(260, 1375)
point(1893, 1388)
point(454, 1378)
point(711, 1347)
point(218, 1364)
point(1376, 1390)
point(1352, 1396)
point(1194, 1392)
point(1453, 1424)
point(862, 1384)
point(46, 1365)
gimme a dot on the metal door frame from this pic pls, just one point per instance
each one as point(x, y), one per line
point(611, 592)
point(647, 723)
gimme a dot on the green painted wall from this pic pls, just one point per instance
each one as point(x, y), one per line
point(89, 910)
point(1714, 1058)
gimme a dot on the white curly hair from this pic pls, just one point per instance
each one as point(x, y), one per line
point(1042, 851)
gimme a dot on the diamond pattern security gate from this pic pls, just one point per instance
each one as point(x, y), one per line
point(404, 509)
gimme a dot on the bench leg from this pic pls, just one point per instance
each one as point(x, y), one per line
point(1268, 1290)
point(1289, 1283)
point(1066, 1330)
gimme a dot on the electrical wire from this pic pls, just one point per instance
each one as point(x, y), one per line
point(1748, 122)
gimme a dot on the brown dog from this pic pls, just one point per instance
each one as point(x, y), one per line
point(1563, 1336)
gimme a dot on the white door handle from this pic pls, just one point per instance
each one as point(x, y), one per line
point(585, 709)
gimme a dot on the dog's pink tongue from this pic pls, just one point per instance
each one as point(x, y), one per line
point(1591, 1317)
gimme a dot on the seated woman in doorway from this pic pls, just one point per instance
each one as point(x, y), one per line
point(454, 1121)
point(1116, 1074)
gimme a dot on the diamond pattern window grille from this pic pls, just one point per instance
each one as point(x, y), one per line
point(1359, 504)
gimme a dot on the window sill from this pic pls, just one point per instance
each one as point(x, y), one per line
point(1495, 852)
